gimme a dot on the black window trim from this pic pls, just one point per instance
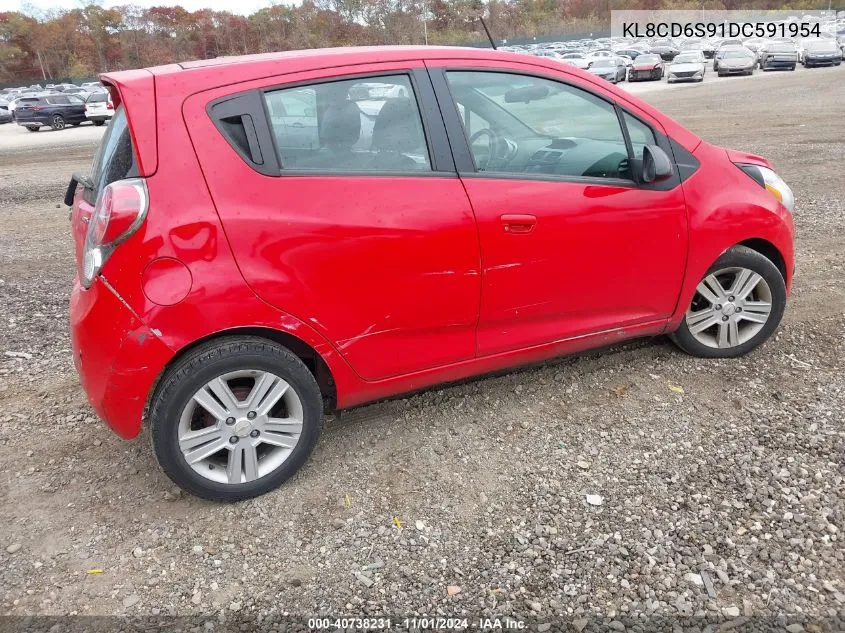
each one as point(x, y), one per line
point(439, 153)
point(465, 162)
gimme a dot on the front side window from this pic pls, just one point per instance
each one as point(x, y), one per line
point(538, 126)
point(365, 124)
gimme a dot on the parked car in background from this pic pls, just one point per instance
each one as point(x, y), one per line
point(579, 60)
point(633, 53)
point(612, 69)
point(182, 305)
point(774, 55)
point(727, 43)
point(734, 61)
point(686, 67)
point(822, 52)
point(99, 108)
point(5, 114)
point(56, 110)
point(665, 48)
point(646, 67)
point(702, 46)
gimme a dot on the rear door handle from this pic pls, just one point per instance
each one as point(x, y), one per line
point(518, 222)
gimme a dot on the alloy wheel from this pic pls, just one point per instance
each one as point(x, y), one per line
point(58, 122)
point(240, 426)
point(730, 307)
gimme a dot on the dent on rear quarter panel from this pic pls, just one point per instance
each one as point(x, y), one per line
point(182, 224)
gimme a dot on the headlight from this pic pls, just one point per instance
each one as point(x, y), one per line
point(772, 183)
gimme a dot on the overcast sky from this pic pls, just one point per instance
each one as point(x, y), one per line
point(235, 6)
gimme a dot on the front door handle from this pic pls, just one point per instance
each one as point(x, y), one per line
point(518, 222)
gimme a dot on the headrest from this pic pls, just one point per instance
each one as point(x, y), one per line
point(341, 125)
point(397, 127)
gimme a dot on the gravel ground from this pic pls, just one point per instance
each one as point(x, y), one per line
point(719, 484)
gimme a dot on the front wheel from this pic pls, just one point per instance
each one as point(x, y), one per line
point(235, 419)
point(736, 307)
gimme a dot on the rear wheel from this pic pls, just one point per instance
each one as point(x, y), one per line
point(57, 122)
point(235, 418)
point(32, 128)
point(98, 123)
point(736, 307)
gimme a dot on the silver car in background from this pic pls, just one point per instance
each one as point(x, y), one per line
point(686, 67)
point(735, 61)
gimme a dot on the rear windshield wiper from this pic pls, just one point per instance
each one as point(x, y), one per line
point(75, 179)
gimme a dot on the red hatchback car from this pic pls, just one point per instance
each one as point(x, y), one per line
point(264, 237)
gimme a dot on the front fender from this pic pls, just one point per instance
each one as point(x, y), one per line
point(724, 215)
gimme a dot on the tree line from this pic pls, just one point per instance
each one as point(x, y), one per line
point(84, 41)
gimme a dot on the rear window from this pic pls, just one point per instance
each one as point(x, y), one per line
point(115, 160)
point(98, 97)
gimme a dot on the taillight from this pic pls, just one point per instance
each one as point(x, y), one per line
point(119, 212)
point(109, 105)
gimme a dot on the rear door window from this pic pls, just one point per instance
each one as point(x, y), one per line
point(115, 160)
point(368, 124)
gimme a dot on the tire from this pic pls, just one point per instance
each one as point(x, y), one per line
point(174, 413)
point(75, 124)
point(99, 123)
point(792, 67)
point(57, 122)
point(32, 128)
point(769, 289)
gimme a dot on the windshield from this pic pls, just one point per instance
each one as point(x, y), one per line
point(115, 160)
point(686, 59)
point(825, 45)
point(604, 62)
point(735, 54)
point(648, 59)
point(782, 48)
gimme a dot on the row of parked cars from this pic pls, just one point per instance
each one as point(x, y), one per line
point(619, 59)
point(56, 105)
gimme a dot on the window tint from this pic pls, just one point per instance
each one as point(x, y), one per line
point(74, 99)
point(370, 124)
point(98, 97)
point(640, 134)
point(58, 100)
point(538, 126)
point(115, 159)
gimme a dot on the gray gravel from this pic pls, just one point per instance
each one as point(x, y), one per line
point(591, 490)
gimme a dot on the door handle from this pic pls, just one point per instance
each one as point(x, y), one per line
point(518, 222)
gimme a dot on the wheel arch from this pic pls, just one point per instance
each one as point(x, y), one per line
point(769, 251)
point(307, 354)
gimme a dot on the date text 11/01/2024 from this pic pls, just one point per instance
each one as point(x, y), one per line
point(417, 624)
point(721, 29)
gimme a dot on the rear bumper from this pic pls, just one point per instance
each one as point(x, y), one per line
point(117, 357)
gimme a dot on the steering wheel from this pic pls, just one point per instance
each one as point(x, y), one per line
point(494, 140)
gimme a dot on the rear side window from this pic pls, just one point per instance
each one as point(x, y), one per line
point(368, 124)
point(58, 100)
point(115, 160)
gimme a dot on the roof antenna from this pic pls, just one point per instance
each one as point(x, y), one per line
point(486, 30)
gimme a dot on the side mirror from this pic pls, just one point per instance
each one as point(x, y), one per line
point(656, 164)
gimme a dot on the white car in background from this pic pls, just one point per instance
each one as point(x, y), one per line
point(688, 66)
point(99, 108)
point(579, 60)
